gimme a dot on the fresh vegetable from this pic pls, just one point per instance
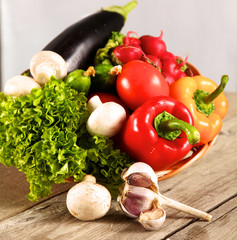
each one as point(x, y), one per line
point(103, 55)
point(126, 53)
point(138, 82)
point(105, 77)
point(173, 67)
point(19, 86)
point(79, 42)
point(206, 101)
point(144, 201)
point(80, 80)
point(155, 61)
point(159, 133)
point(88, 200)
point(106, 119)
point(153, 45)
point(132, 39)
point(44, 135)
point(45, 64)
point(108, 97)
point(149, 49)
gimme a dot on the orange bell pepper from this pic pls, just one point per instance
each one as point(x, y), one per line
point(206, 101)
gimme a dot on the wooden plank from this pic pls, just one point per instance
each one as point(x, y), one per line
point(223, 225)
point(13, 191)
point(204, 185)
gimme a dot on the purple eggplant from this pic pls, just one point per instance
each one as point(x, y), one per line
point(78, 43)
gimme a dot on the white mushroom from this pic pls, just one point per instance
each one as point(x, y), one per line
point(106, 119)
point(45, 64)
point(88, 200)
point(20, 85)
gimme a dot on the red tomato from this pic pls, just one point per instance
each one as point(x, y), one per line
point(138, 82)
point(108, 97)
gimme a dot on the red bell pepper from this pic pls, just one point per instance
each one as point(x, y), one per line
point(159, 133)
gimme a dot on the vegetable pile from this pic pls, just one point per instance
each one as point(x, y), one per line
point(113, 100)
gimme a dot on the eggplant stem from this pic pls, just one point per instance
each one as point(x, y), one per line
point(122, 10)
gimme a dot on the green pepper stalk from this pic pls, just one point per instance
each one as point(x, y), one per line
point(204, 100)
point(169, 128)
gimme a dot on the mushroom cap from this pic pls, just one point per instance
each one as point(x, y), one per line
point(88, 201)
point(45, 63)
point(106, 120)
point(18, 86)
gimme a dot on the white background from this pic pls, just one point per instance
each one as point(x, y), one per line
point(206, 30)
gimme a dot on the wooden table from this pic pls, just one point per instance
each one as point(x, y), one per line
point(210, 184)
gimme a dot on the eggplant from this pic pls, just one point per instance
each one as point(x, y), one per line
point(78, 43)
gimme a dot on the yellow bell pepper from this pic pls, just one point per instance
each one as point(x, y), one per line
point(206, 101)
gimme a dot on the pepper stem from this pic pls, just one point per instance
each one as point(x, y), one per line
point(170, 127)
point(209, 98)
point(123, 10)
point(204, 100)
point(175, 124)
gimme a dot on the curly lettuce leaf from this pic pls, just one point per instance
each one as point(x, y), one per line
point(103, 55)
point(44, 135)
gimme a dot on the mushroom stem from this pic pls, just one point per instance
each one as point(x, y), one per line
point(93, 103)
point(183, 208)
point(89, 178)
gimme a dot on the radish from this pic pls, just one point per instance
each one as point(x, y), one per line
point(153, 60)
point(132, 41)
point(172, 68)
point(125, 53)
point(153, 45)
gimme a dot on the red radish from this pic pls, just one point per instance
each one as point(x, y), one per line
point(132, 41)
point(168, 56)
point(172, 69)
point(125, 53)
point(153, 45)
point(153, 60)
point(180, 75)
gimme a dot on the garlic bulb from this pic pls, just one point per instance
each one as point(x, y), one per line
point(140, 198)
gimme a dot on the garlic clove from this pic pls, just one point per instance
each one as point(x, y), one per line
point(146, 174)
point(134, 200)
point(153, 220)
point(139, 179)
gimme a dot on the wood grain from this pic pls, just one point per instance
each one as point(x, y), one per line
point(210, 184)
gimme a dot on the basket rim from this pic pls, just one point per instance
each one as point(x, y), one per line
point(196, 154)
